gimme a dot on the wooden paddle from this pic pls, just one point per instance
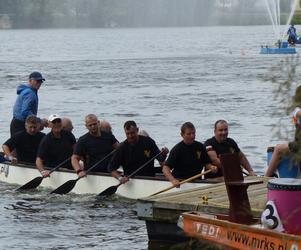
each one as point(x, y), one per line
point(182, 182)
point(244, 172)
point(112, 190)
point(69, 185)
point(37, 181)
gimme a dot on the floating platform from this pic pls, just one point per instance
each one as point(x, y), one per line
point(282, 48)
point(161, 212)
point(268, 50)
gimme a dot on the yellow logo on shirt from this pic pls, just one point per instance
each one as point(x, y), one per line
point(198, 154)
point(147, 153)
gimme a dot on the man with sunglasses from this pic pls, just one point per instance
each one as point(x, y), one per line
point(26, 103)
point(56, 147)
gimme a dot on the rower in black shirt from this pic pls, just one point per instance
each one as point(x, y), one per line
point(187, 158)
point(93, 146)
point(219, 144)
point(134, 152)
point(56, 146)
point(25, 142)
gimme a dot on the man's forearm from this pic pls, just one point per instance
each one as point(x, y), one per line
point(6, 150)
point(167, 173)
point(245, 163)
point(75, 162)
point(39, 164)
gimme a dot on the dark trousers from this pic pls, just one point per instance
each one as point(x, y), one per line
point(2, 159)
point(16, 126)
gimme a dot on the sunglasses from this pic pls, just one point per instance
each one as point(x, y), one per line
point(57, 121)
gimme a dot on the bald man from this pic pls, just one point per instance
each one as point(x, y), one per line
point(105, 126)
point(93, 147)
point(67, 124)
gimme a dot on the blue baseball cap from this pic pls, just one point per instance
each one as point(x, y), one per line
point(36, 76)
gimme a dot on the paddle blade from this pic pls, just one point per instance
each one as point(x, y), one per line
point(65, 188)
point(31, 184)
point(109, 191)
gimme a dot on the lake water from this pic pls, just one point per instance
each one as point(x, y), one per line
point(160, 78)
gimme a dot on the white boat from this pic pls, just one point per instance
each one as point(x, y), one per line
point(94, 183)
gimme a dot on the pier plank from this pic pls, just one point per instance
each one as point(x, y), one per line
point(211, 199)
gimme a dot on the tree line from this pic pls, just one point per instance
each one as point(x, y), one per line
point(126, 13)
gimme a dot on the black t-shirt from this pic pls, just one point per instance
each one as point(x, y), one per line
point(131, 157)
point(26, 145)
point(227, 146)
point(187, 160)
point(54, 151)
point(94, 148)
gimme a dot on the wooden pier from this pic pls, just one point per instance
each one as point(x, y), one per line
point(161, 212)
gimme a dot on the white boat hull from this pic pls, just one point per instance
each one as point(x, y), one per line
point(92, 184)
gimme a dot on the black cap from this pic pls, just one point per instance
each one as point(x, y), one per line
point(36, 76)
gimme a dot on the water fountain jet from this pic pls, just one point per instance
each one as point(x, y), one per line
point(273, 8)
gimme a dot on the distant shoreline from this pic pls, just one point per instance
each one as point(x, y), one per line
point(10, 21)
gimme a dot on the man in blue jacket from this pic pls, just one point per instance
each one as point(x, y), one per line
point(27, 102)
